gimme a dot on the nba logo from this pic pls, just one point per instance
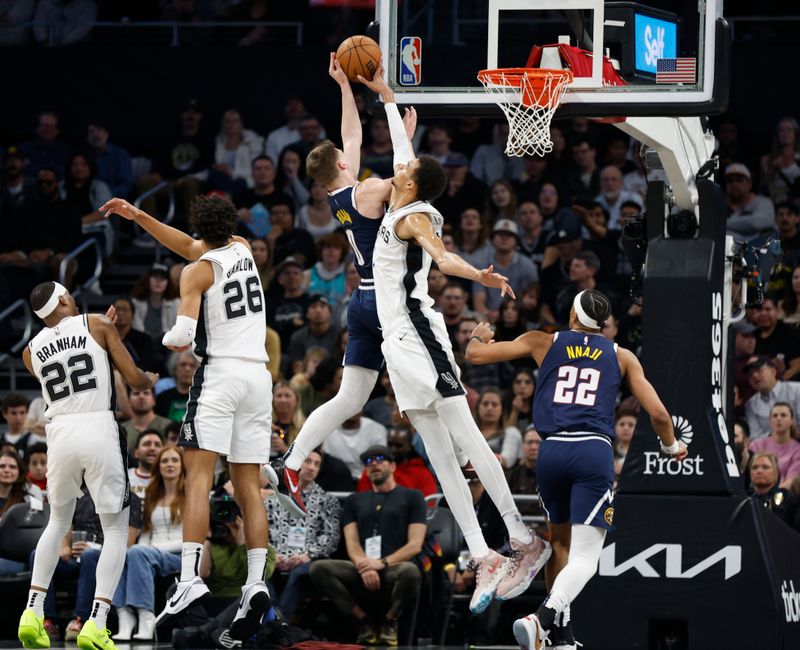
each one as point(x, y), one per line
point(410, 60)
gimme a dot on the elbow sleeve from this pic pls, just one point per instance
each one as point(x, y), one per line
point(403, 152)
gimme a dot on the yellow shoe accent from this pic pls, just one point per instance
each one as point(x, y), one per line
point(31, 630)
point(93, 638)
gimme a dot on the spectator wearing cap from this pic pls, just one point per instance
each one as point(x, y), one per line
point(749, 215)
point(769, 391)
point(46, 151)
point(328, 275)
point(318, 333)
point(410, 471)
point(522, 476)
point(352, 438)
point(612, 195)
point(777, 340)
point(112, 161)
point(464, 191)
point(171, 403)
point(519, 270)
point(285, 240)
point(155, 299)
point(744, 348)
point(384, 530)
point(489, 162)
point(781, 442)
point(286, 311)
point(254, 204)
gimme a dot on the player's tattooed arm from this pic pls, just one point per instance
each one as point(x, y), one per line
point(178, 242)
point(107, 336)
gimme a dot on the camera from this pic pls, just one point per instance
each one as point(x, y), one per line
point(224, 510)
point(756, 260)
point(634, 243)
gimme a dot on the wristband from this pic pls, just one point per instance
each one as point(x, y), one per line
point(671, 450)
point(182, 334)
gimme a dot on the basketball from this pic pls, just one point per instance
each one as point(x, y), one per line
point(359, 55)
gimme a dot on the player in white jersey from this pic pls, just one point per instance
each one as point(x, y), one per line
point(229, 407)
point(425, 377)
point(72, 358)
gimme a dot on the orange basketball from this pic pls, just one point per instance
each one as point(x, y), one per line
point(359, 55)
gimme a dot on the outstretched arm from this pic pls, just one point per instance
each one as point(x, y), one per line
point(178, 242)
point(398, 127)
point(351, 123)
point(482, 348)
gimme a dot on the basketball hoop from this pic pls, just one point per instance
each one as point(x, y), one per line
point(529, 111)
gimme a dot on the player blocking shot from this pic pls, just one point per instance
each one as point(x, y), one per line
point(580, 372)
point(228, 412)
point(72, 357)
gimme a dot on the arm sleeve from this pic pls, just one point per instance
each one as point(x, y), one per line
point(512, 446)
point(403, 152)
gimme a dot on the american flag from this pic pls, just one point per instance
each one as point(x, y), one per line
point(672, 71)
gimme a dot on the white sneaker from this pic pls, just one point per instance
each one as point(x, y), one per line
point(187, 593)
point(489, 571)
point(254, 603)
point(529, 633)
point(147, 625)
point(126, 620)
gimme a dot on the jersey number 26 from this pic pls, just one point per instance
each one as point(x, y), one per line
point(235, 297)
point(576, 386)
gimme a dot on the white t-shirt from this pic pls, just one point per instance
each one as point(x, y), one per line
point(349, 444)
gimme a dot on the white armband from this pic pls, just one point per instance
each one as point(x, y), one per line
point(403, 152)
point(670, 450)
point(182, 334)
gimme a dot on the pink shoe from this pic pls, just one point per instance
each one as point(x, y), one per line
point(525, 562)
point(489, 571)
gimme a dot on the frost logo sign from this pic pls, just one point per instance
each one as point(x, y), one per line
point(656, 463)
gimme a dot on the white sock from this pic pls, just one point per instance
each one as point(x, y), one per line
point(36, 601)
point(584, 554)
point(357, 385)
point(443, 459)
point(256, 562)
point(516, 527)
point(190, 560)
point(99, 613)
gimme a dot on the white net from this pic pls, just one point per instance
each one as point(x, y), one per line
point(530, 110)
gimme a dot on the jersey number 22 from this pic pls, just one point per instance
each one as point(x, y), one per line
point(576, 386)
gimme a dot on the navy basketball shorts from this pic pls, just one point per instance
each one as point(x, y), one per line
point(575, 472)
point(364, 331)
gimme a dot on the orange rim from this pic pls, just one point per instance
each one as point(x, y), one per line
point(540, 86)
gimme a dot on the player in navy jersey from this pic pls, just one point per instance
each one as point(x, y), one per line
point(358, 207)
point(580, 373)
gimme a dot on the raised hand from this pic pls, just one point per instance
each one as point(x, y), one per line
point(488, 278)
point(410, 121)
point(484, 332)
point(120, 207)
point(336, 72)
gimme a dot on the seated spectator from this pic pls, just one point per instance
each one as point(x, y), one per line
point(532, 237)
point(113, 163)
point(137, 342)
point(741, 445)
point(78, 559)
point(316, 216)
point(158, 551)
point(287, 417)
point(769, 391)
point(584, 182)
point(254, 204)
point(612, 195)
point(298, 542)
point(383, 531)
point(749, 215)
point(144, 416)
point(278, 139)
point(439, 137)
point(522, 477)
point(437, 281)
point(787, 220)
point(381, 408)
point(463, 191)
point(520, 407)
point(780, 168)
point(781, 442)
point(744, 348)
point(286, 240)
point(410, 469)
point(502, 202)
point(764, 488)
point(286, 311)
point(260, 251)
point(322, 385)
point(15, 412)
point(348, 441)
point(618, 146)
point(502, 439)
point(302, 380)
point(318, 333)
point(311, 135)
point(583, 270)
point(472, 238)
point(519, 270)
point(14, 489)
point(234, 150)
point(789, 307)
point(291, 176)
point(148, 447)
point(453, 303)
point(155, 299)
point(490, 163)
point(37, 466)
point(604, 242)
point(171, 403)
point(83, 195)
point(46, 151)
point(777, 340)
point(624, 426)
point(16, 189)
point(531, 302)
point(327, 276)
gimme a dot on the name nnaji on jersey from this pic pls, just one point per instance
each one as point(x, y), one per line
point(243, 264)
point(59, 345)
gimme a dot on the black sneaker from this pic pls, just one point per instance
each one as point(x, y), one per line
point(286, 484)
point(562, 638)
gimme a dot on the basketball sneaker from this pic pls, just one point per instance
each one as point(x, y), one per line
point(469, 471)
point(562, 638)
point(187, 593)
point(530, 634)
point(253, 604)
point(525, 562)
point(286, 483)
point(73, 629)
point(489, 571)
point(31, 630)
point(92, 637)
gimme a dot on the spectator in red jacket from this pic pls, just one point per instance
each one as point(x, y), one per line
point(411, 470)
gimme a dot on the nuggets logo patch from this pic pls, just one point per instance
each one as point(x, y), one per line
point(608, 515)
point(343, 216)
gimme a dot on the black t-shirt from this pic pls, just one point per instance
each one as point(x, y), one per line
point(295, 243)
point(185, 155)
point(140, 345)
point(334, 475)
point(783, 340)
point(172, 404)
point(281, 314)
point(387, 514)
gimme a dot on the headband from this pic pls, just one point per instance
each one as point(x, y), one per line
point(52, 303)
point(583, 317)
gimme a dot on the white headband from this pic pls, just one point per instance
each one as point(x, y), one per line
point(52, 303)
point(583, 317)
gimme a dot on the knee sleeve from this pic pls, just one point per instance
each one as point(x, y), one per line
point(47, 550)
point(112, 556)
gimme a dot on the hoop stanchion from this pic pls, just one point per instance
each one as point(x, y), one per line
point(530, 110)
